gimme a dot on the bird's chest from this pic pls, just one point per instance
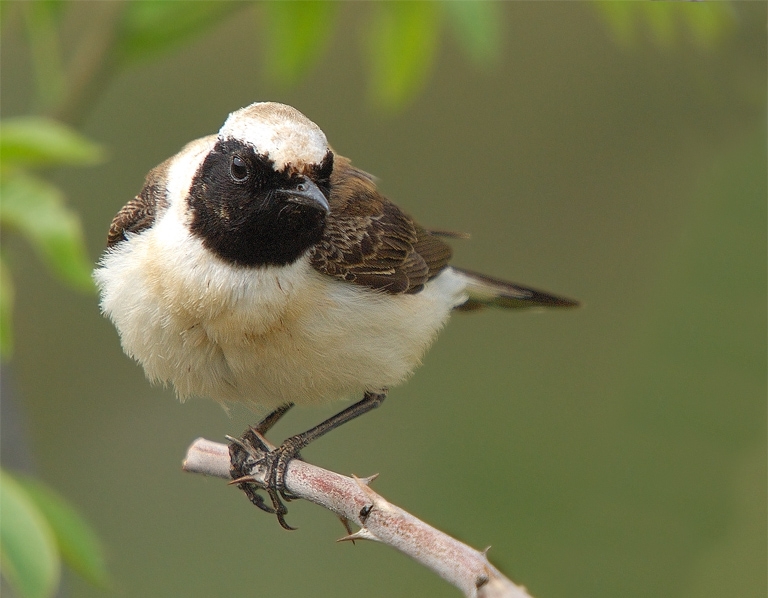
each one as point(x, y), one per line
point(252, 311)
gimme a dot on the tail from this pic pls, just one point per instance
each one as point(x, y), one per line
point(484, 290)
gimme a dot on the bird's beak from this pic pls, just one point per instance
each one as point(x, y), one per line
point(306, 193)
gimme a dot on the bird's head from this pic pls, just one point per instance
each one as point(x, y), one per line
point(260, 195)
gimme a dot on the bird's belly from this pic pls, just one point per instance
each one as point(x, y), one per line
point(335, 342)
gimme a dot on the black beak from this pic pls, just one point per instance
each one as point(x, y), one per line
point(306, 193)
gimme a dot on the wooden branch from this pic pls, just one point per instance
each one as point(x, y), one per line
point(353, 500)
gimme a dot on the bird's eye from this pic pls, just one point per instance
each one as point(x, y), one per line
point(238, 169)
point(302, 187)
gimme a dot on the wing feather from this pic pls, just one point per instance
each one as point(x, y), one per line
point(140, 212)
point(369, 241)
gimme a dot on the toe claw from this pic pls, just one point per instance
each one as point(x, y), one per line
point(252, 492)
point(283, 524)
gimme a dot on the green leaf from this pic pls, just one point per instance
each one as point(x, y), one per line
point(151, 27)
point(6, 311)
point(54, 8)
point(295, 34)
point(707, 21)
point(402, 45)
point(620, 18)
point(36, 209)
point(78, 543)
point(661, 18)
point(42, 20)
point(34, 141)
point(478, 26)
point(28, 554)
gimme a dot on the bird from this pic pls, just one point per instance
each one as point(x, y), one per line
point(258, 266)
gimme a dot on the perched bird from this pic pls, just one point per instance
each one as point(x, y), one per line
point(258, 266)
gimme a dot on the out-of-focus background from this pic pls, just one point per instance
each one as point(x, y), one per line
point(614, 156)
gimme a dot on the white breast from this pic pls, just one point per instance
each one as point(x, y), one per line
point(264, 336)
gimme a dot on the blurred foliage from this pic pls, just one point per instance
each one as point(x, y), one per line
point(35, 209)
point(401, 42)
point(296, 35)
point(76, 542)
point(27, 545)
point(36, 142)
point(40, 529)
point(707, 22)
point(478, 28)
point(149, 28)
point(401, 47)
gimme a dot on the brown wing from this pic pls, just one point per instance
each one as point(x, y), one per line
point(370, 242)
point(140, 213)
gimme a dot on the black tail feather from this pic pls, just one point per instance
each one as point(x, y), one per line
point(488, 291)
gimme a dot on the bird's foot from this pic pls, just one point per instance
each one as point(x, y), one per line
point(252, 454)
point(258, 465)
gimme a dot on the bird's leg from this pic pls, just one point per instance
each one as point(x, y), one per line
point(278, 459)
point(266, 424)
point(251, 451)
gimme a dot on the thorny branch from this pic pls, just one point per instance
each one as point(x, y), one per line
point(354, 501)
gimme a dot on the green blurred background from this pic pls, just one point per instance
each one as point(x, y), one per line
point(616, 450)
